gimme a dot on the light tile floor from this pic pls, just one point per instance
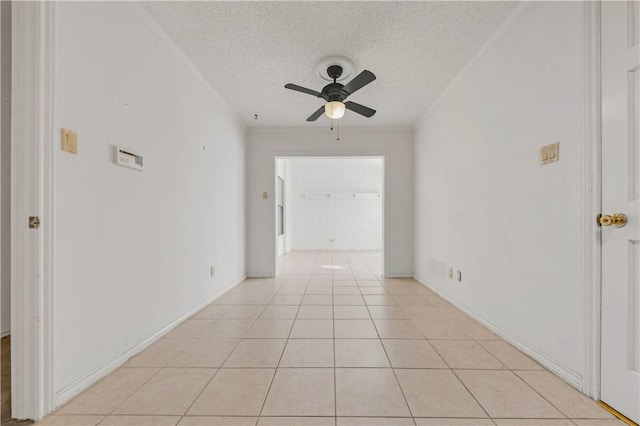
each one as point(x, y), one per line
point(330, 342)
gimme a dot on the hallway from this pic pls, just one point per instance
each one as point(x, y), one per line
point(329, 342)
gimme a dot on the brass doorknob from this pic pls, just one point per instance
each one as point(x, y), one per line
point(617, 219)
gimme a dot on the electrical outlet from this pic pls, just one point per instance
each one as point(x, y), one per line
point(212, 271)
point(459, 276)
point(450, 273)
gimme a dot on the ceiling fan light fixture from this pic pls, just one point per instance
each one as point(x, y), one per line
point(334, 109)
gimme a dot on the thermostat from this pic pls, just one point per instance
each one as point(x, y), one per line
point(127, 158)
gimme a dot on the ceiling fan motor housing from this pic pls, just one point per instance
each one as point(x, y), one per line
point(333, 91)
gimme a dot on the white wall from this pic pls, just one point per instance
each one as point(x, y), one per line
point(486, 206)
point(5, 167)
point(340, 222)
point(396, 145)
point(134, 248)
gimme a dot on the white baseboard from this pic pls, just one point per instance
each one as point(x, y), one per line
point(566, 374)
point(5, 333)
point(399, 276)
point(83, 383)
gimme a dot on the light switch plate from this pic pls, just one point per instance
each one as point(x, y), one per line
point(550, 153)
point(69, 141)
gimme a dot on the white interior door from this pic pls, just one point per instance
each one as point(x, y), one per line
point(620, 378)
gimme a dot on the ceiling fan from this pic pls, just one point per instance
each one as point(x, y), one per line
point(335, 93)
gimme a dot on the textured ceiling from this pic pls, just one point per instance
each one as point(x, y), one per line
point(249, 50)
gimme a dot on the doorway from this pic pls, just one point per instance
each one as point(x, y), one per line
point(329, 210)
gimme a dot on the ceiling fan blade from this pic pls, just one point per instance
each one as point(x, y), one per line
point(303, 90)
point(317, 114)
point(360, 109)
point(359, 81)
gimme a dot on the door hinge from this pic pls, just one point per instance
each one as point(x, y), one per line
point(34, 222)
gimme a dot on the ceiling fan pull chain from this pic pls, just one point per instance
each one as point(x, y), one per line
point(338, 132)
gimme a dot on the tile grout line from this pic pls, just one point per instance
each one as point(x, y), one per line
point(176, 356)
point(132, 393)
point(275, 371)
point(347, 338)
point(335, 375)
point(392, 369)
point(463, 384)
point(335, 381)
point(541, 395)
point(210, 380)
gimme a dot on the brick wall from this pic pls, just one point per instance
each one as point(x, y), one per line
point(340, 222)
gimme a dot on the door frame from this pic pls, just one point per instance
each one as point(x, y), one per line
point(279, 194)
point(591, 153)
point(283, 156)
point(32, 194)
point(591, 197)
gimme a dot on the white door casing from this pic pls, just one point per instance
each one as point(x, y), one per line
point(32, 174)
point(620, 353)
